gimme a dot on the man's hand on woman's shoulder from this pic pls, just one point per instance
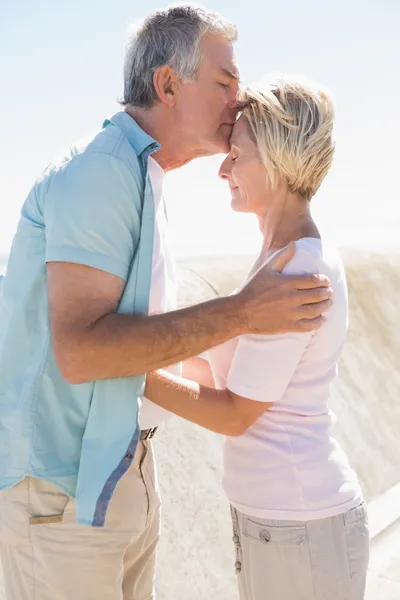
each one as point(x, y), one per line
point(274, 303)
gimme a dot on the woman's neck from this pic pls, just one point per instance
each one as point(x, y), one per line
point(287, 220)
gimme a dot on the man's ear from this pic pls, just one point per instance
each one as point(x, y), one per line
point(165, 83)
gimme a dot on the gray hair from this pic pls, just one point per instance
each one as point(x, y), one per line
point(171, 36)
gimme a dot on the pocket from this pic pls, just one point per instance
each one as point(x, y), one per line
point(357, 540)
point(48, 505)
point(274, 535)
point(148, 471)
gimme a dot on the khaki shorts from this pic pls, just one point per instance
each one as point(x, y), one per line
point(46, 556)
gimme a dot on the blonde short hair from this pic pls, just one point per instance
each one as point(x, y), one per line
point(291, 120)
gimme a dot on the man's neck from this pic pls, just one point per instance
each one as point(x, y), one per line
point(172, 153)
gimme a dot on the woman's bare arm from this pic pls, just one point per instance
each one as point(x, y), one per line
point(221, 411)
point(198, 369)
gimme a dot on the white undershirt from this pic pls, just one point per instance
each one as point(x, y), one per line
point(287, 465)
point(163, 290)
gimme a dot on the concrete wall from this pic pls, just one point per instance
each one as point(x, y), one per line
point(196, 559)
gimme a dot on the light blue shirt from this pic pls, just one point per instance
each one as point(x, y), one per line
point(96, 208)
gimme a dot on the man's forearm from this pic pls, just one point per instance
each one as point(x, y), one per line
point(128, 345)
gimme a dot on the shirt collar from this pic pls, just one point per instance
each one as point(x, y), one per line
point(139, 139)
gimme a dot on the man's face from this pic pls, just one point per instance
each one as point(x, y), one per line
point(206, 107)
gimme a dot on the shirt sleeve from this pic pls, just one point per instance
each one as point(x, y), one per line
point(91, 214)
point(263, 365)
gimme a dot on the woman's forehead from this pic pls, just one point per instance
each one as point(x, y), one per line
point(240, 134)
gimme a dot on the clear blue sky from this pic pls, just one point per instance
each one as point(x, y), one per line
point(61, 73)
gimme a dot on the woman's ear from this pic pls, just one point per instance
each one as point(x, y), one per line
point(165, 83)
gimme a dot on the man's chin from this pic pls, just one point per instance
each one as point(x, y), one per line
point(222, 145)
point(225, 147)
point(219, 145)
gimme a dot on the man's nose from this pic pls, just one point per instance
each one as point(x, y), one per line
point(235, 95)
point(233, 102)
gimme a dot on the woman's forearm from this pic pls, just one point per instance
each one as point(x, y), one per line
point(205, 406)
point(198, 369)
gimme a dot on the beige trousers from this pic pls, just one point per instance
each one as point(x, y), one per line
point(325, 559)
point(61, 560)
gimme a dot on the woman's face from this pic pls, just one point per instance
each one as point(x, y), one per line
point(245, 172)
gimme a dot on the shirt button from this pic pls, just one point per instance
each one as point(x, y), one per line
point(235, 539)
point(265, 536)
point(128, 456)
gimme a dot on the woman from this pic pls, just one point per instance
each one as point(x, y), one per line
point(300, 523)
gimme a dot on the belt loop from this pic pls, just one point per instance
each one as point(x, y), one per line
point(147, 434)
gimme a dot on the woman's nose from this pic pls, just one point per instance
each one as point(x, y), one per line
point(224, 170)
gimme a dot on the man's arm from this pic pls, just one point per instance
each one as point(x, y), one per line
point(91, 341)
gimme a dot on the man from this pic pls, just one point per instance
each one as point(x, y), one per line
point(89, 261)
